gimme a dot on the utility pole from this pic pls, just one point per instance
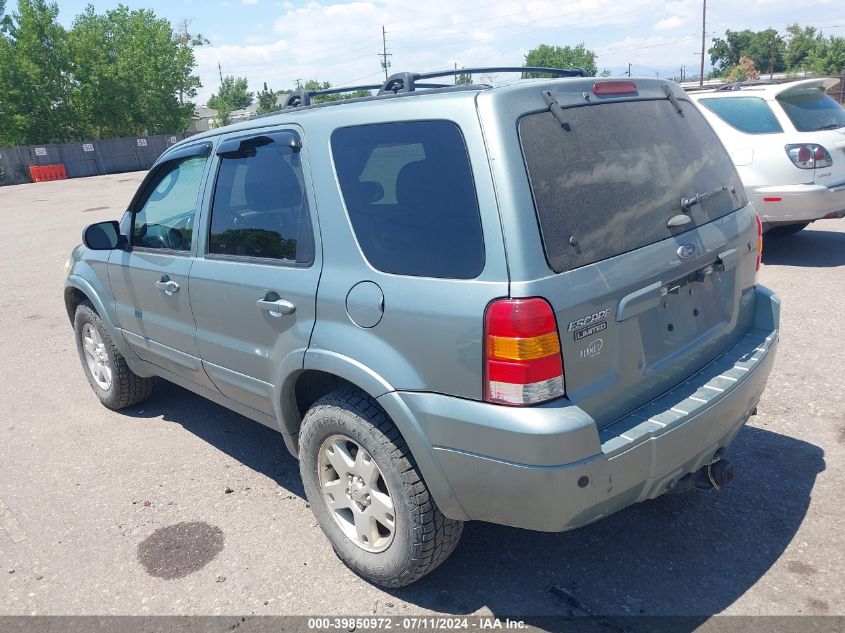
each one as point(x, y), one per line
point(703, 35)
point(629, 70)
point(220, 70)
point(456, 73)
point(385, 63)
point(772, 58)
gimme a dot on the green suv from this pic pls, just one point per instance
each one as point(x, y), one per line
point(532, 304)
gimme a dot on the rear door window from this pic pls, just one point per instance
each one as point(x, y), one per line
point(609, 181)
point(260, 209)
point(812, 110)
point(409, 192)
point(751, 115)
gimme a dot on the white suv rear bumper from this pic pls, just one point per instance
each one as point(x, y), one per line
point(791, 204)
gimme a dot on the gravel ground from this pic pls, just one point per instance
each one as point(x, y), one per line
point(178, 506)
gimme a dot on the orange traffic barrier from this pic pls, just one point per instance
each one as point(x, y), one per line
point(43, 173)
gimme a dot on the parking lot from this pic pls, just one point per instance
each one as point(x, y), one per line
point(82, 487)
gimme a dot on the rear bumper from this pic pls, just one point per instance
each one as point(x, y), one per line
point(798, 203)
point(549, 468)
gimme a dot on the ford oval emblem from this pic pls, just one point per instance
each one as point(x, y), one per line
point(685, 251)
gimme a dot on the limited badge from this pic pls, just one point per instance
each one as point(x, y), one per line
point(586, 332)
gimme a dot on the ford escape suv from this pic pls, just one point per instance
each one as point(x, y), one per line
point(532, 304)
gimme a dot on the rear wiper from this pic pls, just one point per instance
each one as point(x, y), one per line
point(672, 98)
point(556, 110)
point(688, 203)
point(830, 126)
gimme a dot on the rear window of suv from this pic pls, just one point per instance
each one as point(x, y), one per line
point(812, 110)
point(751, 115)
point(410, 197)
point(609, 181)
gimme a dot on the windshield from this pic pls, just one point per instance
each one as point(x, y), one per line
point(812, 110)
point(610, 180)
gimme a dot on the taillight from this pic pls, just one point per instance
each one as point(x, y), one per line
point(809, 156)
point(601, 88)
point(522, 361)
point(759, 241)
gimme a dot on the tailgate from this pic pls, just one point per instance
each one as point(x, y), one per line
point(641, 327)
point(645, 223)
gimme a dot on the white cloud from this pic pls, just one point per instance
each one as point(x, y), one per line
point(249, 1)
point(338, 40)
point(667, 24)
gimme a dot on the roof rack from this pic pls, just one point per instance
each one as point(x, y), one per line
point(409, 82)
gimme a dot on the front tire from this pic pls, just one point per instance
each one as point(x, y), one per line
point(113, 382)
point(367, 494)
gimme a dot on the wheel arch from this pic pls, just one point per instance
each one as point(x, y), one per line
point(324, 372)
point(78, 290)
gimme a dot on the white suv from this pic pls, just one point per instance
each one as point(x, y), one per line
point(787, 141)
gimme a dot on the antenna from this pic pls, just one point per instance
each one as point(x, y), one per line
point(385, 63)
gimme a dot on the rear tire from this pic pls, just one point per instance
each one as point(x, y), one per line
point(342, 435)
point(785, 230)
point(113, 382)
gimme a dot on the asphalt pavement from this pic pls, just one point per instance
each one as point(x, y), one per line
point(179, 506)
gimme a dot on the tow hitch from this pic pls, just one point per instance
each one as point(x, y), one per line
point(714, 476)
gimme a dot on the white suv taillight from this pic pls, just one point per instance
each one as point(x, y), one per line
point(809, 156)
point(522, 361)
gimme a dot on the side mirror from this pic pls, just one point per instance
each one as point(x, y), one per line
point(102, 236)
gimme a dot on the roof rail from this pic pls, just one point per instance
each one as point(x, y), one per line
point(409, 82)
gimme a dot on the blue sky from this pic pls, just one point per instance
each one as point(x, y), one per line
point(279, 42)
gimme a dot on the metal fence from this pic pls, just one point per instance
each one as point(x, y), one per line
point(86, 158)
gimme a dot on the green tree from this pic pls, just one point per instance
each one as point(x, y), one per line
point(725, 53)
point(121, 73)
point(129, 68)
point(34, 76)
point(233, 94)
point(223, 116)
point(800, 42)
point(189, 81)
point(463, 79)
point(828, 57)
point(767, 49)
point(743, 71)
point(561, 57)
point(267, 100)
point(314, 84)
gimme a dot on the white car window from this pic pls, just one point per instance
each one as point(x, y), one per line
point(812, 111)
point(751, 115)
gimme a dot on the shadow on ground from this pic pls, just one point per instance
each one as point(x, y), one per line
point(251, 443)
point(692, 554)
point(824, 249)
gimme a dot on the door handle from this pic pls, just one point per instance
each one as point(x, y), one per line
point(167, 285)
point(276, 308)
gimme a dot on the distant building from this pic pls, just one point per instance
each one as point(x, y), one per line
point(201, 121)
